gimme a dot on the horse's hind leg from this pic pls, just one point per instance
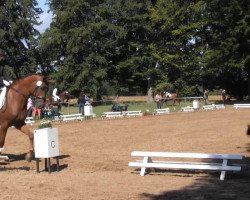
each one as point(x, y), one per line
point(59, 107)
point(173, 102)
point(179, 101)
point(3, 131)
point(25, 129)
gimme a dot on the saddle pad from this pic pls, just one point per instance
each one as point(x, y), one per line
point(2, 97)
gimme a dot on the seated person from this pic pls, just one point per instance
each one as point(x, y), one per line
point(47, 111)
point(29, 107)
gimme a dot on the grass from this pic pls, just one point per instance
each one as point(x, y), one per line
point(143, 106)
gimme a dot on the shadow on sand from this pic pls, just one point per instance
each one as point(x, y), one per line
point(236, 186)
point(4, 165)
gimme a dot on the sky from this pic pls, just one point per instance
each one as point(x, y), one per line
point(45, 17)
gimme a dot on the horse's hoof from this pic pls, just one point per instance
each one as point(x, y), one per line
point(28, 158)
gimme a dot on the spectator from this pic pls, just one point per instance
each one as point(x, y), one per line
point(158, 100)
point(47, 111)
point(37, 111)
point(205, 96)
point(29, 107)
point(223, 96)
point(81, 102)
point(87, 99)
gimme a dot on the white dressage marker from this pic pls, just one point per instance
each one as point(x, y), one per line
point(222, 164)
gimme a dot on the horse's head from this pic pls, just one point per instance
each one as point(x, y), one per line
point(40, 87)
point(36, 85)
point(168, 95)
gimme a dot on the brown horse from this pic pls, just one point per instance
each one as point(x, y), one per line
point(64, 98)
point(170, 96)
point(14, 111)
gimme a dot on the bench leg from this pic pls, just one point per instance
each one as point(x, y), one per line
point(48, 164)
point(146, 159)
point(223, 173)
point(37, 165)
point(57, 164)
point(4, 157)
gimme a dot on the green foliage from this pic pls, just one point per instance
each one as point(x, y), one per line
point(202, 43)
point(17, 36)
point(100, 40)
point(45, 124)
point(112, 46)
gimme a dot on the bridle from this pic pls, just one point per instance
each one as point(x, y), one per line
point(34, 93)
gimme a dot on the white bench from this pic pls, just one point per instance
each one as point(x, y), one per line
point(112, 115)
point(161, 111)
point(29, 120)
point(208, 107)
point(132, 113)
point(241, 106)
point(3, 157)
point(71, 117)
point(219, 106)
point(187, 109)
point(214, 106)
point(222, 164)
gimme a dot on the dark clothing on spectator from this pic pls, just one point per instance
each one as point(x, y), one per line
point(38, 108)
point(39, 103)
point(87, 99)
point(81, 102)
point(205, 96)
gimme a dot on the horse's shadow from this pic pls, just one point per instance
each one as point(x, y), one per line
point(21, 157)
point(14, 168)
point(16, 157)
point(12, 157)
point(236, 186)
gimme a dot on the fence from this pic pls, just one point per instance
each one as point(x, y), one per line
point(133, 103)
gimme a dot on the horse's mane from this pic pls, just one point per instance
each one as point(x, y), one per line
point(45, 79)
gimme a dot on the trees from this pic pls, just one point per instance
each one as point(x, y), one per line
point(177, 24)
point(125, 45)
point(203, 43)
point(18, 36)
point(104, 45)
point(228, 46)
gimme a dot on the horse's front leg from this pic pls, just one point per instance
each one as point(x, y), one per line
point(3, 131)
point(25, 129)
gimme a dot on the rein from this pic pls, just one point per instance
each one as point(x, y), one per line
point(17, 91)
point(26, 95)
